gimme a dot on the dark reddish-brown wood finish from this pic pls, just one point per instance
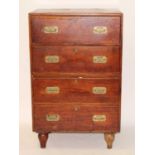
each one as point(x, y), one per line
point(43, 137)
point(77, 90)
point(76, 59)
point(75, 118)
point(75, 74)
point(75, 30)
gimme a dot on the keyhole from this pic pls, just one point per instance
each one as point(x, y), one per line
point(76, 108)
point(75, 50)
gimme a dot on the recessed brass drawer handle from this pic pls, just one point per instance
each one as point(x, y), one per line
point(99, 118)
point(52, 90)
point(100, 30)
point(53, 117)
point(100, 59)
point(52, 59)
point(99, 90)
point(51, 29)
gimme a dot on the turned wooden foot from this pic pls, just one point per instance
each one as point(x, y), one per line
point(109, 138)
point(43, 139)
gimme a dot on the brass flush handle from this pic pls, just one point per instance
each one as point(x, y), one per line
point(99, 90)
point(50, 29)
point(52, 90)
point(52, 59)
point(100, 59)
point(53, 117)
point(100, 30)
point(99, 118)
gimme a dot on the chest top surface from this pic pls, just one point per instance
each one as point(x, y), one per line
point(77, 12)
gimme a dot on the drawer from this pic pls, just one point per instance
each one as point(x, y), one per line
point(105, 91)
point(78, 117)
point(51, 30)
point(76, 59)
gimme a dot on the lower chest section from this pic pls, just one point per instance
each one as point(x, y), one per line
point(76, 105)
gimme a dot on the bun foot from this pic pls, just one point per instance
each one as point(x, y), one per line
point(43, 139)
point(109, 138)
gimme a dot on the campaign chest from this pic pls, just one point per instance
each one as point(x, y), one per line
point(76, 63)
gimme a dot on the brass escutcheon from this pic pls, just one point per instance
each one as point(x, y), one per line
point(75, 50)
point(77, 108)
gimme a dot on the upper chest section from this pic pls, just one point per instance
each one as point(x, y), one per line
point(75, 28)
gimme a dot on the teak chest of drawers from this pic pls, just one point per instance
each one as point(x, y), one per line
point(76, 64)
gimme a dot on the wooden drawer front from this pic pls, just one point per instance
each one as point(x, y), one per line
point(77, 90)
point(52, 30)
point(76, 59)
point(79, 117)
